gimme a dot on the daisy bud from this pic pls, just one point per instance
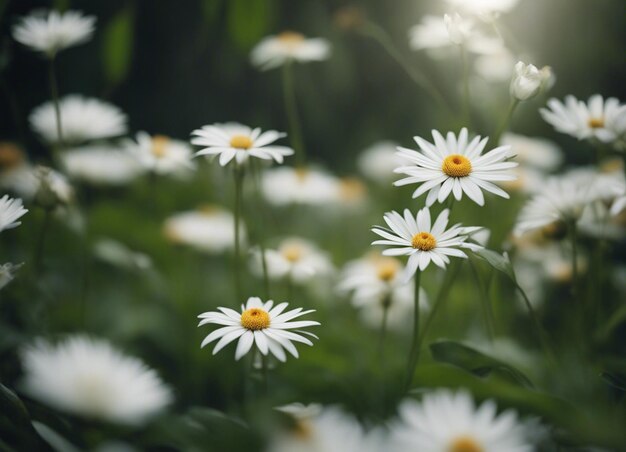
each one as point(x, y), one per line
point(526, 82)
point(458, 29)
point(53, 190)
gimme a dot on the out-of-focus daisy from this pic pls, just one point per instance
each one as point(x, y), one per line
point(620, 201)
point(274, 51)
point(51, 31)
point(118, 254)
point(378, 161)
point(236, 142)
point(351, 192)
point(318, 429)
point(422, 242)
point(450, 421)
point(160, 154)
point(598, 222)
point(209, 229)
point(17, 175)
point(496, 66)
point(262, 324)
point(295, 258)
point(455, 165)
point(101, 165)
point(53, 188)
point(375, 284)
point(7, 273)
point(538, 153)
point(484, 7)
point(11, 210)
point(604, 120)
point(282, 186)
point(82, 119)
point(459, 29)
point(90, 378)
point(562, 199)
point(526, 81)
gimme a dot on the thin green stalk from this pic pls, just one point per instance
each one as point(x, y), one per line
point(541, 333)
point(383, 328)
point(261, 223)
point(484, 301)
point(39, 249)
point(415, 343)
point(239, 175)
point(382, 37)
point(574, 239)
point(467, 115)
point(291, 107)
point(506, 119)
point(54, 93)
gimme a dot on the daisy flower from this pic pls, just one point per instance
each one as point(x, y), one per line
point(160, 154)
point(283, 186)
point(495, 66)
point(526, 82)
point(378, 161)
point(422, 242)
point(7, 273)
point(274, 51)
point(295, 258)
point(49, 32)
point(11, 210)
point(484, 8)
point(450, 421)
point(210, 229)
point(318, 429)
point(459, 29)
point(101, 165)
point(454, 165)
point(88, 377)
point(53, 188)
point(262, 324)
point(238, 142)
point(604, 120)
point(534, 152)
point(82, 119)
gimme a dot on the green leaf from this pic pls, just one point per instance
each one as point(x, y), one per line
point(616, 319)
point(209, 416)
point(474, 361)
point(56, 441)
point(500, 262)
point(249, 21)
point(118, 46)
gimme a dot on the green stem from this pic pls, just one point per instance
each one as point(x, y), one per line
point(54, 92)
point(504, 124)
point(415, 343)
point(291, 107)
point(261, 233)
point(382, 37)
point(484, 301)
point(383, 328)
point(574, 240)
point(239, 175)
point(39, 249)
point(541, 333)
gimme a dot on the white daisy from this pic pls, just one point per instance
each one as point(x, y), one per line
point(53, 188)
point(318, 429)
point(416, 238)
point(161, 154)
point(620, 202)
point(351, 192)
point(7, 273)
point(450, 421)
point(295, 258)
point(262, 324)
point(496, 66)
point(274, 51)
point(11, 210)
point(378, 161)
point(526, 81)
point(82, 119)
point(375, 284)
point(90, 378)
point(210, 229)
point(119, 255)
point(601, 119)
point(49, 32)
point(459, 29)
point(535, 152)
point(484, 7)
point(562, 199)
point(101, 165)
point(237, 142)
point(285, 185)
point(454, 165)
point(17, 175)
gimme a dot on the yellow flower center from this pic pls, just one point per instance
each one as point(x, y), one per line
point(291, 37)
point(387, 268)
point(596, 123)
point(456, 165)
point(292, 252)
point(301, 173)
point(255, 319)
point(556, 230)
point(424, 241)
point(351, 189)
point(303, 430)
point(159, 145)
point(11, 156)
point(208, 209)
point(241, 142)
point(465, 444)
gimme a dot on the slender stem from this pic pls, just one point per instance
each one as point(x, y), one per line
point(506, 119)
point(484, 301)
point(382, 37)
point(291, 107)
point(574, 240)
point(415, 343)
point(261, 234)
point(239, 174)
point(541, 333)
point(466, 87)
point(54, 92)
point(265, 380)
point(39, 249)
point(383, 328)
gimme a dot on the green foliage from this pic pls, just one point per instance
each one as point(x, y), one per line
point(117, 45)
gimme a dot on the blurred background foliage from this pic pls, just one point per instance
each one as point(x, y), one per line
point(175, 65)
